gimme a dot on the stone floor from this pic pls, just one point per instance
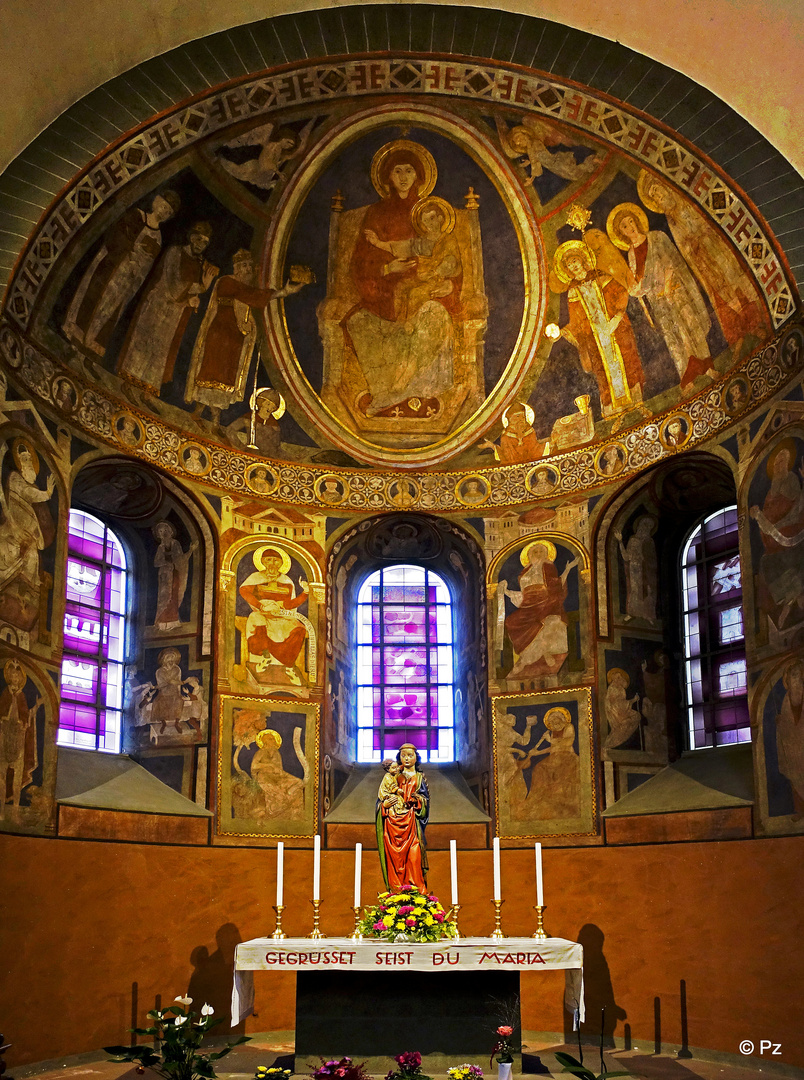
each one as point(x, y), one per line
point(268, 1048)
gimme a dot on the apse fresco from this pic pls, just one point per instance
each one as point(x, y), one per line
point(543, 759)
point(437, 281)
point(268, 779)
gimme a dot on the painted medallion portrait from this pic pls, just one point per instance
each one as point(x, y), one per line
point(417, 320)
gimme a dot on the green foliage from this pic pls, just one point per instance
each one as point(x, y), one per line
point(180, 1036)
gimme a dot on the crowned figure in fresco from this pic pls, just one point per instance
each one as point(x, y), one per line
point(403, 806)
point(405, 312)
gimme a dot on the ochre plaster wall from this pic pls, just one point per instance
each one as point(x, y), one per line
point(745, 51)
point(92, 918)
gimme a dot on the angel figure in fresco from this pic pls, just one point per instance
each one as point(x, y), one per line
point(172, 564)
point(790, 732)
point(114, 277)
point(716, 267)
point(780, 583)
point(400, 833)
point(27, 529)
point(275, 632)
point(622, 713)
point(663, 279)
point(18, 750)
point(641, 569)
point(537, 628)
point(225, 342)
point(599, 327)
point(276, 147)
point(528, 144)
point(173, 293)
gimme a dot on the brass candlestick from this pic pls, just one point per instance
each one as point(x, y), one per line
point(541, 934)
point(279, 934)
point(497, 934)
point(356, 935)
point(453, 916)
point(316, 934)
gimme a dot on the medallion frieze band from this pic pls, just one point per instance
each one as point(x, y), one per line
point(105, 418)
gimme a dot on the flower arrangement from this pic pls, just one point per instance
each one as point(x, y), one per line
point(465, 1072)
point(504, 1048)
point(344, 1069)
point(407, 915)
point(180, 1036)
point(409, 1067)
point(273, 1073)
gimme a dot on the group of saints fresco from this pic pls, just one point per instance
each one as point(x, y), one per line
point(378, 318)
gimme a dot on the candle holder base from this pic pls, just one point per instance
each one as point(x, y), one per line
point(356, 935)
point(316, 934)
point(541, 934)
point(497, 933)
point(454, 911)
point(278, 934)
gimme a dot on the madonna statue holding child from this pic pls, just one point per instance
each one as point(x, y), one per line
point(403, 803)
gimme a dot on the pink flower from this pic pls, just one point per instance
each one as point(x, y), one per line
point(410, 922)
point(405, 909)
point(505, 1030)
point(379, 926)
point(438, 916)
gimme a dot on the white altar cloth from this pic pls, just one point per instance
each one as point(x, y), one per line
point(465, 954)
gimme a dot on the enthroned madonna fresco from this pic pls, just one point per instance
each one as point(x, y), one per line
point(405, 278)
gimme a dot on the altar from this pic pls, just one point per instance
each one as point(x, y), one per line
point(343, 986)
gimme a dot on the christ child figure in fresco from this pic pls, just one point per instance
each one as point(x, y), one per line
point(400, 835)
point(599, 328)
point(390, 794)
point(275, 633)
point(225, 342)
point(435, 255)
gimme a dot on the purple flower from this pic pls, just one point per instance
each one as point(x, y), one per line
point(411, 1059)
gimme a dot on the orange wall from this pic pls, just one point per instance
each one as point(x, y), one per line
point(82, 920)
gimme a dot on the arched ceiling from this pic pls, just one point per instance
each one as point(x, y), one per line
point(717, 41)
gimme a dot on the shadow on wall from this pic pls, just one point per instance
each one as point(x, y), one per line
point(598, 992)
point(213, 976)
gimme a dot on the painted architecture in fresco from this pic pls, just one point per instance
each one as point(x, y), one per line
point(520, 345)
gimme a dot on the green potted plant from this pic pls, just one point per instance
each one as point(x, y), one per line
point(179, 1035)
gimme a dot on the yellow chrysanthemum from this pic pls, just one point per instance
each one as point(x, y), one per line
point(429, 920)
point(419, 899)
point(391, 911)
point(388, 920)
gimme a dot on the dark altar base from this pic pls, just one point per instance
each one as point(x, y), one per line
point(369, 1014)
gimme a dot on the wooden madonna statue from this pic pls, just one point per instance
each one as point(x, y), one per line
point(403, 806)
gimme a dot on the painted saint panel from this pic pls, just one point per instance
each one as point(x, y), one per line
point(782, 749)
point(543, 760)
point(268, 772)
point(27, 758)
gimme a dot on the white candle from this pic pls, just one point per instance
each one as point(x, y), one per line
point(317, 868)
point(453, 870)
point(539, 879)
point(497, 892)
point(358, 871)
point(280, 872)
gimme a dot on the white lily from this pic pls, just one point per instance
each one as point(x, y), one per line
point(184, 1000)
point(180, 1020)
point(207, 1010)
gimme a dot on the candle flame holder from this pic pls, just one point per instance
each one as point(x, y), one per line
point(279, 934)
point(541, 933)
point(454, 911)
point(316, 935)
point(356, 935)
point(497, 933)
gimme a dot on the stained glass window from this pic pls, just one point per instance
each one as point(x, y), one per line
point(404, 665)
point(714, 660)
point(90, 715)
